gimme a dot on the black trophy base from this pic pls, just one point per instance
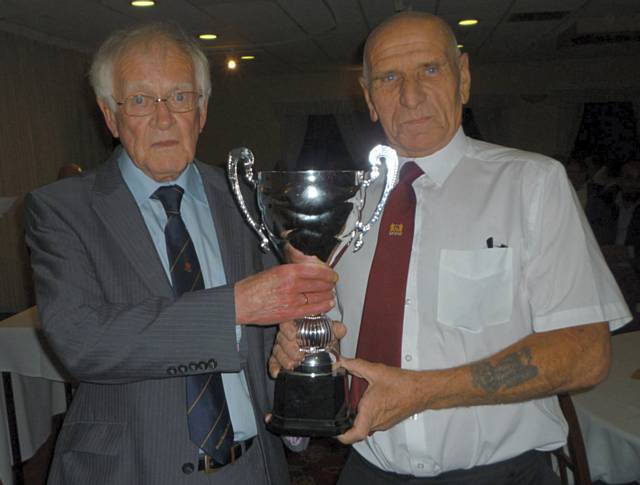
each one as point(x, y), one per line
point(311, 405)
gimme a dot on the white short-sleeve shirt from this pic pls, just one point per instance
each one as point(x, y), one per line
point(466, 301)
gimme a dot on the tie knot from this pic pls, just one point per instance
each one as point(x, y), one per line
point(171, 197)
point(409, 172)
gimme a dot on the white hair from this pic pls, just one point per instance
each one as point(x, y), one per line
point(123, 41)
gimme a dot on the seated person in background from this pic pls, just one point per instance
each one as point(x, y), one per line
point(578, 175)
point(613, 213)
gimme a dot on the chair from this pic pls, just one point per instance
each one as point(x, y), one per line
point(576, 460)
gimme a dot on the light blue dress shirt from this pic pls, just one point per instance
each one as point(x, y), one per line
point(196, 215)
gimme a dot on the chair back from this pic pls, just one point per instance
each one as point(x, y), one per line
point(576, 459)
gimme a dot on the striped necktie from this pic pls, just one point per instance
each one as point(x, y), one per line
point(207, 412)
point(380, 336)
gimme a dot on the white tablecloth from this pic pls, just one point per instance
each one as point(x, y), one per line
point(609, 415)
point(37, 386)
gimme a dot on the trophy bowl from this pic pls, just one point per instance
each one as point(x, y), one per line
point(318, 212)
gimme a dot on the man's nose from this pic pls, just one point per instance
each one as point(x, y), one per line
point(412, 93)
point(163, 117)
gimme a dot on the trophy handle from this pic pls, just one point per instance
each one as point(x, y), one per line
point(380, 154)
point(245, 156)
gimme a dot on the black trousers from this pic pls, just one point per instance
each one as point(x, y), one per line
point(530, 468)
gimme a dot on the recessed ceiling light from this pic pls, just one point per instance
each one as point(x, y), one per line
point(247, 58)
point(232, 64)
point(208, 36)
point(468, 22)
point(143, 3)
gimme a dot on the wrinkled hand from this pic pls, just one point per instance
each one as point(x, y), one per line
point(286, 351)
point(285, 292)
point(392, 396)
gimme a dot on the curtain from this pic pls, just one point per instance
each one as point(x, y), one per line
point(293, 129)
point(358, 133)
point(50, 118)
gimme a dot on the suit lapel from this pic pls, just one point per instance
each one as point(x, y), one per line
point(114, 204)
point(226, 220)
point(230, 230)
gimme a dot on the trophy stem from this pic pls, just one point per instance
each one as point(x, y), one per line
point(311, 400)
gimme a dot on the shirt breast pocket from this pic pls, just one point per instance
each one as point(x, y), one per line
point(475, 288)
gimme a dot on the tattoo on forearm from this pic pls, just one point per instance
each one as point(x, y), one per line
point(512, 370)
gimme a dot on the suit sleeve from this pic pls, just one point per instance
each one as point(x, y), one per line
point(105, 341)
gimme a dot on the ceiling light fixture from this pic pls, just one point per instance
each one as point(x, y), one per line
point(468, 22)
point(208, 36)
point(143, 3)
point(247, 58)
point(232, 64)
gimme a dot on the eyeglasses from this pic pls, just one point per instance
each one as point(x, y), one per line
point(143, 104)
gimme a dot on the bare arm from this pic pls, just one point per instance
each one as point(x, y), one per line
point(542, 364)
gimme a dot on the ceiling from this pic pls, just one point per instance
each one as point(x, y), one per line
point(327, 35)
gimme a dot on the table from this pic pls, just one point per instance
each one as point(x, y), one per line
point(609, 415)
point(38, 387)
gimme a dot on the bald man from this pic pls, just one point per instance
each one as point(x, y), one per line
point(508, 300)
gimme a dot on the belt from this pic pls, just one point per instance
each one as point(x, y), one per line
point(207, 464)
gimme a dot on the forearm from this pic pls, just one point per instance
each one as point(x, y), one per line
point(539, 365)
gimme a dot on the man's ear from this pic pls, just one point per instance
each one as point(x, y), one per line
point(109, 117)
point(465, 78)
point(373, 114)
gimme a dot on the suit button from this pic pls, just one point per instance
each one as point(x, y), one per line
point(183, 369)
point(188, 468)
point(212, 364)
point(172, 371)
point(193, 366)
point(202, 365)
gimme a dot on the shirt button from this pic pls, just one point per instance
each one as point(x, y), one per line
point(407, 301)
point(420, 466)
point(188, 468)
point(408, 357)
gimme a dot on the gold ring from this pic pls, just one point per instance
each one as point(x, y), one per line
point(306, 298)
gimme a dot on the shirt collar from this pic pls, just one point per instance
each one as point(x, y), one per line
point(142, 186)
point(439, 165)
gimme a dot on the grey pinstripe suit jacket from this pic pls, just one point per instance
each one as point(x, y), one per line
point(108, 311)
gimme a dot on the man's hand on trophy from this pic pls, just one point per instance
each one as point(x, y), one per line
point(285, 292)
point(286, 352)
point(393, 394)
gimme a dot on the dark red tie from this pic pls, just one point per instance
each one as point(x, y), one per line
point(380, 338)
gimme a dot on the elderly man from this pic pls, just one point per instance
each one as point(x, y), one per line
point(469, 316)
point(148, 292)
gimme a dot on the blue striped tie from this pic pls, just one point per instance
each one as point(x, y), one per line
point(207, 412)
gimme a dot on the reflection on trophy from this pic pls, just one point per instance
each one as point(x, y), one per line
point(318, 212)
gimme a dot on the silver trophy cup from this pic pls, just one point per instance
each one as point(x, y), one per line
point(318, 212)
